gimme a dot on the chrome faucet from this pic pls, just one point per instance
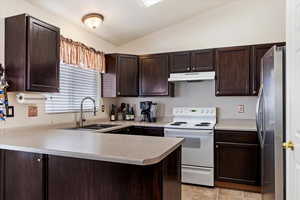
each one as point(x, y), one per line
point(81, 109)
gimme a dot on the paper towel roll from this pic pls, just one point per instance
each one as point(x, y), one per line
point(23, 98)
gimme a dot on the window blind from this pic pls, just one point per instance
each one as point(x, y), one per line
point(75, 84)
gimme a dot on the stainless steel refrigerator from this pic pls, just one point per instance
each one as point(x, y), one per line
point(271, 123)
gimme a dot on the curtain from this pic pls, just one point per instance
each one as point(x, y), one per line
point(76, 53)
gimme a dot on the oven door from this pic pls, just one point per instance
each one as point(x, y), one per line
point(197, 149)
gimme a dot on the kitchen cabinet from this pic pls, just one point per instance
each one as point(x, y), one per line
point(140, 130)
point(180, 62)
point(24, 175)
point(202, 60)
point(192, 61)
point(257, 52)
point(154, 73)
point(237, 157)
point(121, 78)
point(147, 131)
point(31, 54)
point(72, 178)
point(233, 71)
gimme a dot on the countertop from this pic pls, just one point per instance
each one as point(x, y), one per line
point(236, 125)
point(87, 144)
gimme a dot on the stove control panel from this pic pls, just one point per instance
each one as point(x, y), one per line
point(184, 111)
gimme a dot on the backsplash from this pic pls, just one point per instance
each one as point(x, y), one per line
point(21, 118)
point(199, 94)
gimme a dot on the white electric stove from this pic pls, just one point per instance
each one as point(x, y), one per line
point(196, 126)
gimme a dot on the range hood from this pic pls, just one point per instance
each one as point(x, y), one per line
point(191, 76)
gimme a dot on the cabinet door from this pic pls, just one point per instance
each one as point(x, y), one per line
point(154, 75)
point(180, 62)
point(258, 51)
point(238, 163)
point(24, 176)
point(63, 170)
point(202, 60)
point(233, 71)
point(127, 72)
point(147, 131)
point(42, 57)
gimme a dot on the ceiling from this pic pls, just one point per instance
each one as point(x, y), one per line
point(127, 20)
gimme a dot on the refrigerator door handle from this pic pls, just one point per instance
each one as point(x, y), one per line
point(258, 122)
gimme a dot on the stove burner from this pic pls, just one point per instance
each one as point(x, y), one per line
point(203, 124)
point(178, 123)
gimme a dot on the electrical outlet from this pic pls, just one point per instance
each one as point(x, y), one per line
point(103, 108)
point(241, 108)
point(32, 111)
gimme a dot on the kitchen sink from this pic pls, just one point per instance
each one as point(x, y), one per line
point(93, 127)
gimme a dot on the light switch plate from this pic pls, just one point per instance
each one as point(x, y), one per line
point(32, 111)
point(241, 108)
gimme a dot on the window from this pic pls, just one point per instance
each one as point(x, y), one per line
point(75, 84)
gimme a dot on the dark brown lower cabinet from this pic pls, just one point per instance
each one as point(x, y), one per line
point(71, 178)
point(237, 157)
point(24, 176)
point(140, 130)
point(30, 176)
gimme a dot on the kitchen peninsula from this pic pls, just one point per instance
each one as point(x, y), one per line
point(59, 164)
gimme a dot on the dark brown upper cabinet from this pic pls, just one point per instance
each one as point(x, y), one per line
point(154, 73)
point(192, 61)
point(121, 78)
point(31, 54)
point(233, 71)
point(24, 175)
point(257, 52)
point(180, 62)
point(202, 60)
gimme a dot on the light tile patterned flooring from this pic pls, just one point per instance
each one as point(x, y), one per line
point(190, 192)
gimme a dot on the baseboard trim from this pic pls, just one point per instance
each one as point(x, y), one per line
point(236, 186)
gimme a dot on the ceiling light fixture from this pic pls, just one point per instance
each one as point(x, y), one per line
point(93, 20)
point(149, 3)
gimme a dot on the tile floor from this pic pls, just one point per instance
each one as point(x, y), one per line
point(202, 193)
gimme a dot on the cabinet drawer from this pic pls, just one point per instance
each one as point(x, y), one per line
point(236, 137)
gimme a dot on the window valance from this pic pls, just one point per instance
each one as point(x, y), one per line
point(76, 53)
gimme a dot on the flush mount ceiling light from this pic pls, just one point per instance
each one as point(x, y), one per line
point(149, 3)
point(93, 20)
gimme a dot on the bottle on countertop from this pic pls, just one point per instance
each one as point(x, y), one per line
point(127, 113)
point(113, 113)
point(132, 114)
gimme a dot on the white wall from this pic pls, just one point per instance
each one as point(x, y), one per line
point(199, 94)
point(15, 7)
point(238, 23)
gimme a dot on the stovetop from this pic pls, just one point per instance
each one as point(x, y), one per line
point(193, 118)
point(191, 125)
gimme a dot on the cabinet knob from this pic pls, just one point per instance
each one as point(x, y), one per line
point(194, 68)
point(254, 91)
point(38, 160)
point(119, 93)
point(218, 91)
point(188, 68)
point(217, 146)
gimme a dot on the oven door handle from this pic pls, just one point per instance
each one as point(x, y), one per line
point(184, 136)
